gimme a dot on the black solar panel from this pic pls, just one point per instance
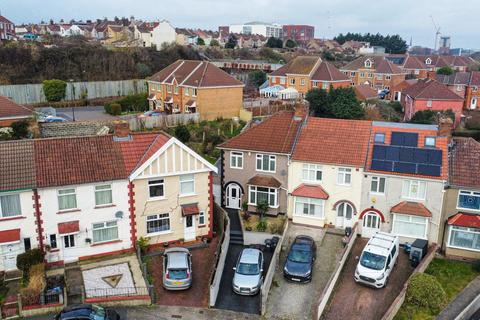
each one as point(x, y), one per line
point(429, 170)
point(379, 152)
point(405, 167)
point(393, 153)
point(407, 155)
point(408, 139)
point(435, 157)
point(420, 155)
point(382, 165)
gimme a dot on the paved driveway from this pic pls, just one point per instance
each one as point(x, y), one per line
point(357, 302)
point(289, 300)
point(92, 113)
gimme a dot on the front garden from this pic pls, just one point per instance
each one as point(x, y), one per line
point(261, 222)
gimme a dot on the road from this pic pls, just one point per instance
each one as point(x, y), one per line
point(91, 113)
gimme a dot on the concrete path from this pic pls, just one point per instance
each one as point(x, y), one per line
point(462, 300)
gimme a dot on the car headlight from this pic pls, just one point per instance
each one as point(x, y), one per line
point(309, 272)
point(356, 272)
point(381, 277)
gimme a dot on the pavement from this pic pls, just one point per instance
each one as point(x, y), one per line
point(358, 302)
point(461, 301)
point(288, 300)
point(90, 113)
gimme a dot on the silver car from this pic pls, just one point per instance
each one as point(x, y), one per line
point(248, 278)
point(177, 269)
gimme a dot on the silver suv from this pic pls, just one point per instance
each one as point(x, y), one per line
point(248, 278)
point(177, 269)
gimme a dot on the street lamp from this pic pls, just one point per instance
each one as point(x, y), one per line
point(72, 88)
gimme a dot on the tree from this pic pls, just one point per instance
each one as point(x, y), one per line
point(318, 99)
point(338, 103)
point(231, 42)
point(424, 117)
point(290, 44)
point(182, 133)
point(257, 77)
point(54, 90)
point(200, 41)
point(214, 43)
point(445, 70)
point(273, 42)
point(391, 43)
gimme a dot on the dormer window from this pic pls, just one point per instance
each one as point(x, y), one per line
point(368, 63)
point(428, 61)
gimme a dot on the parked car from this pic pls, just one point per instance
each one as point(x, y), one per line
point(299, 264)
point(177, 269)
point(382, 94)
point(377, 260)
point(152, 113)
point(87, 312)
point(248, 277)
point(49, 119)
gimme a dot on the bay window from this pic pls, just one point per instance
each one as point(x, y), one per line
point(469, 200)
point(10, 206)
point(67, 199)
point(410, 226)
point(158, 223)
point(414, 189)
point(311, 172)
point(257, 195)
point(464, 238)
point(266, 162)
point(309, 207)
point(105, 231)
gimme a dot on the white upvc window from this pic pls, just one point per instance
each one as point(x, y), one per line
point(282, 80)
point(175, 89)
point(201, 218)
point(187, 91)
point(429, 103)
point(325, 85)
point(387, 77)
point(344, 176)
point(156, 188)
point(67, 199)
point(266, 162)
point(475, 89)
point(414, 189)
point(69, 241)
point(258, 195)
point(194, 92)
point(378, 185)
point(158, 223)
point(309, 207)
point(312, 172)
point(362, 74)
point(103, 195)
point(302, 82)
point(379, 77)
point(274, 79)
point(187, 184)
point(468, 200)
point(236, 160)
point(370, 75)
point(430, 142)
point(464, 238)
point(410, 226)
point(169, 89)
point(10, 206)
point(416, 71)
point(159, 88)
point(292, 81)
point(105, 231)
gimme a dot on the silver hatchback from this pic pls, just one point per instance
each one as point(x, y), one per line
point(177, 269)
point(248, 278)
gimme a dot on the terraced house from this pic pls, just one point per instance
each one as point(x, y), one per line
point(188, 86)
point(464, 84)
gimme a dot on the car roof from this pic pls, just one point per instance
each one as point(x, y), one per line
point(76, 311)
point(303, 240)
point(381, 243)
point(250, 255)
point(177, 259)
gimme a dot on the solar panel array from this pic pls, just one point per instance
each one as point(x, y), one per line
point(404, 156)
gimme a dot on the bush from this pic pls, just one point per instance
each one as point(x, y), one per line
point(182, 133)
point(424, 290)
point(262, 208)
point(143, 244)
point(29, 258)
point(54, 90)
point(246, 215)
point(476, 265)
point(262, 225)
point(20, 129)
point(36, 284)
point(115, 109)
point(274, 228)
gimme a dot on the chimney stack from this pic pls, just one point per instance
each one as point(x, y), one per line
point(445, 128)
point(121, 130)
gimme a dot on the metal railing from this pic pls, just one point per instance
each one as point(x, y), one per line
point(44, 299)
point(116, 292)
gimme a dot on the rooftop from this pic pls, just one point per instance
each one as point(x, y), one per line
point(464, 160)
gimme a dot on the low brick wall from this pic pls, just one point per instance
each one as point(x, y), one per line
point(30, 311)
point(121, 301)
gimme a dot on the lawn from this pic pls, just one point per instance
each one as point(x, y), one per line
point(452, 275)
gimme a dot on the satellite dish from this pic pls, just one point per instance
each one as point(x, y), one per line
point(119, 214)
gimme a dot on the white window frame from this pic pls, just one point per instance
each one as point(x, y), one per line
point(474, 89)
point(162, 183)
point(378, 134)
point(104, 227)
point(429, 103)
point(377, 179)
point(187, 91)
point(310, 168)
point(451, 229)
point(169, 88)
point(194, 92)
point(271, 159)
point(430, 138)
point(201, 217)
point(459, 88)
point(187, 179)
point(235, 158)
point(292, 81)
point(342, 175)
point(302, 82)
point(69, 237)
point(19, 204)
point(103, 190)
point(175, 90)
point(407, 190)
point(470, 193)
point(282, 80)
point(379, 76)
point(387, 77)
point(411, 222)
point(158, 217)
point(309, 202)
point(324, 85)
point(362, 74)
point(368, 63)
point(273, 79)
point(271, 191)
point(67, 194)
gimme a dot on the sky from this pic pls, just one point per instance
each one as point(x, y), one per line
point(408, 18)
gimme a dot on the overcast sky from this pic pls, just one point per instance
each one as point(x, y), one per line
point(409, 18)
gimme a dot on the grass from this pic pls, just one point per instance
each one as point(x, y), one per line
point(453, 275)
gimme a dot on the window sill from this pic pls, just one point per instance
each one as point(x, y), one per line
point(156, 199)
point(308, 216)
point(54, 250)
point(236, 168)
point(462, 248)
point(105, 242)
point(468, 210)
point(187, 195)
point(344, 185)
point(149, 235)
point(105, 206)
point(12, 218)
point(264, 171)
point(202, 226)
point(377, 193)
point(68, 211)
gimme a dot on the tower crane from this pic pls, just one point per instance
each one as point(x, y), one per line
point(437, 32)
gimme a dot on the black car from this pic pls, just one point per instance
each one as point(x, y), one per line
point(87, 312)
point(299, 264)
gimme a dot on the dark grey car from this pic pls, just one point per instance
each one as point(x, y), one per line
point(301, 256)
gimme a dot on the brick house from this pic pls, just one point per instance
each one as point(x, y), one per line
point(7, 29)
point(298, 33)
point(429, 94)
point(466, 85)
point(11, 112)
point(188, 86)
point(377, 72)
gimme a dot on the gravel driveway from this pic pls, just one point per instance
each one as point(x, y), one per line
point(289, 300)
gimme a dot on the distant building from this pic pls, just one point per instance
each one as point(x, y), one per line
point(298, 33)
point(7, 29)
point(223, 30)
point(260, 28)
point(163, 33)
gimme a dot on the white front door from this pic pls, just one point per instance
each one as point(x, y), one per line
point(473, 103)
point(344, 215)
point(9, 253)
point(70, 252)
point(233, 196)
point(371, 224)
point(189, 228)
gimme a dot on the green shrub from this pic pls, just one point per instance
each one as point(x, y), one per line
point(182, 133)
point(262, 208)
point(143, 244)
point(476, 265)
point(20, 129)
point(29, 258)
point(54, 90)
point(115, 109)
point(134, 102)
point(424, 290)
point(262, 225)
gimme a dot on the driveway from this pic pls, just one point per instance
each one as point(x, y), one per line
point(288, 300)
point(91, 113)
point(229, 300)
point(357, 302)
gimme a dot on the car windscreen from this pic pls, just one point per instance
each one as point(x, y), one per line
point(177, 274)
point(248, 269)
point(300, 255)
point(372, 261)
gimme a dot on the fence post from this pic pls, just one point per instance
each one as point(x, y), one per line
point(19, 301)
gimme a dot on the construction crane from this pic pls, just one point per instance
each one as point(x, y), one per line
point(437, 32)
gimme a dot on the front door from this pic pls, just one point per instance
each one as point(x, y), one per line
point(371, 224)
point(344, 215)
point(233, 196)
point(9, 253)
point(473, 103)
point(69, 248)
point(189, 228)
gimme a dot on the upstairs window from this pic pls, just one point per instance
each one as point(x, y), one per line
point(292, 82)
point(378, 185)
point(302, 82)
point(10, 206)
point(430, 142)
point(67, 199)
point(169, 89)
point(103, 195)
point(156, 188)
point(312, 172)
point(266, 162)
point(187, 184)
point(274, 79)
point(414, 189)
point(175, 89)
point(379, 77)
point(344, 177)
point(388, 77)
point(368, 63)
point(187, 91)
point(236, 160)
point(379, 138)
point(469, 200)
point(429, 103)
point(194, 92)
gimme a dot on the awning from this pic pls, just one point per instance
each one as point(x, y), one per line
point(191, 103)
point(465, 220)
point(190, 209)
point(411, 208)
point(9, 236)
point(264, 181)
point(309, 191)
point(68, 227)
point(168, 100)
point(152, 96)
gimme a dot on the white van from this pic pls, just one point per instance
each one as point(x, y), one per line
point(377, 260)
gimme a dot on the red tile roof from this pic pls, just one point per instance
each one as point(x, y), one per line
point(137, 150)
point(17, 169)
point(299, 65)
point(327, 72)
point(465, 220)
point(429, 89)
point(413, 62)
point(387, 67)
point(10, 236)
point(69, 227)
point(10, 109)
point(310, 191)
point(334, 141)
point(464, 161)
point(365, 92)
point(379, 65)
point(190, 209)
point(264, 181)
point(275, 134)
point(411, 208)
